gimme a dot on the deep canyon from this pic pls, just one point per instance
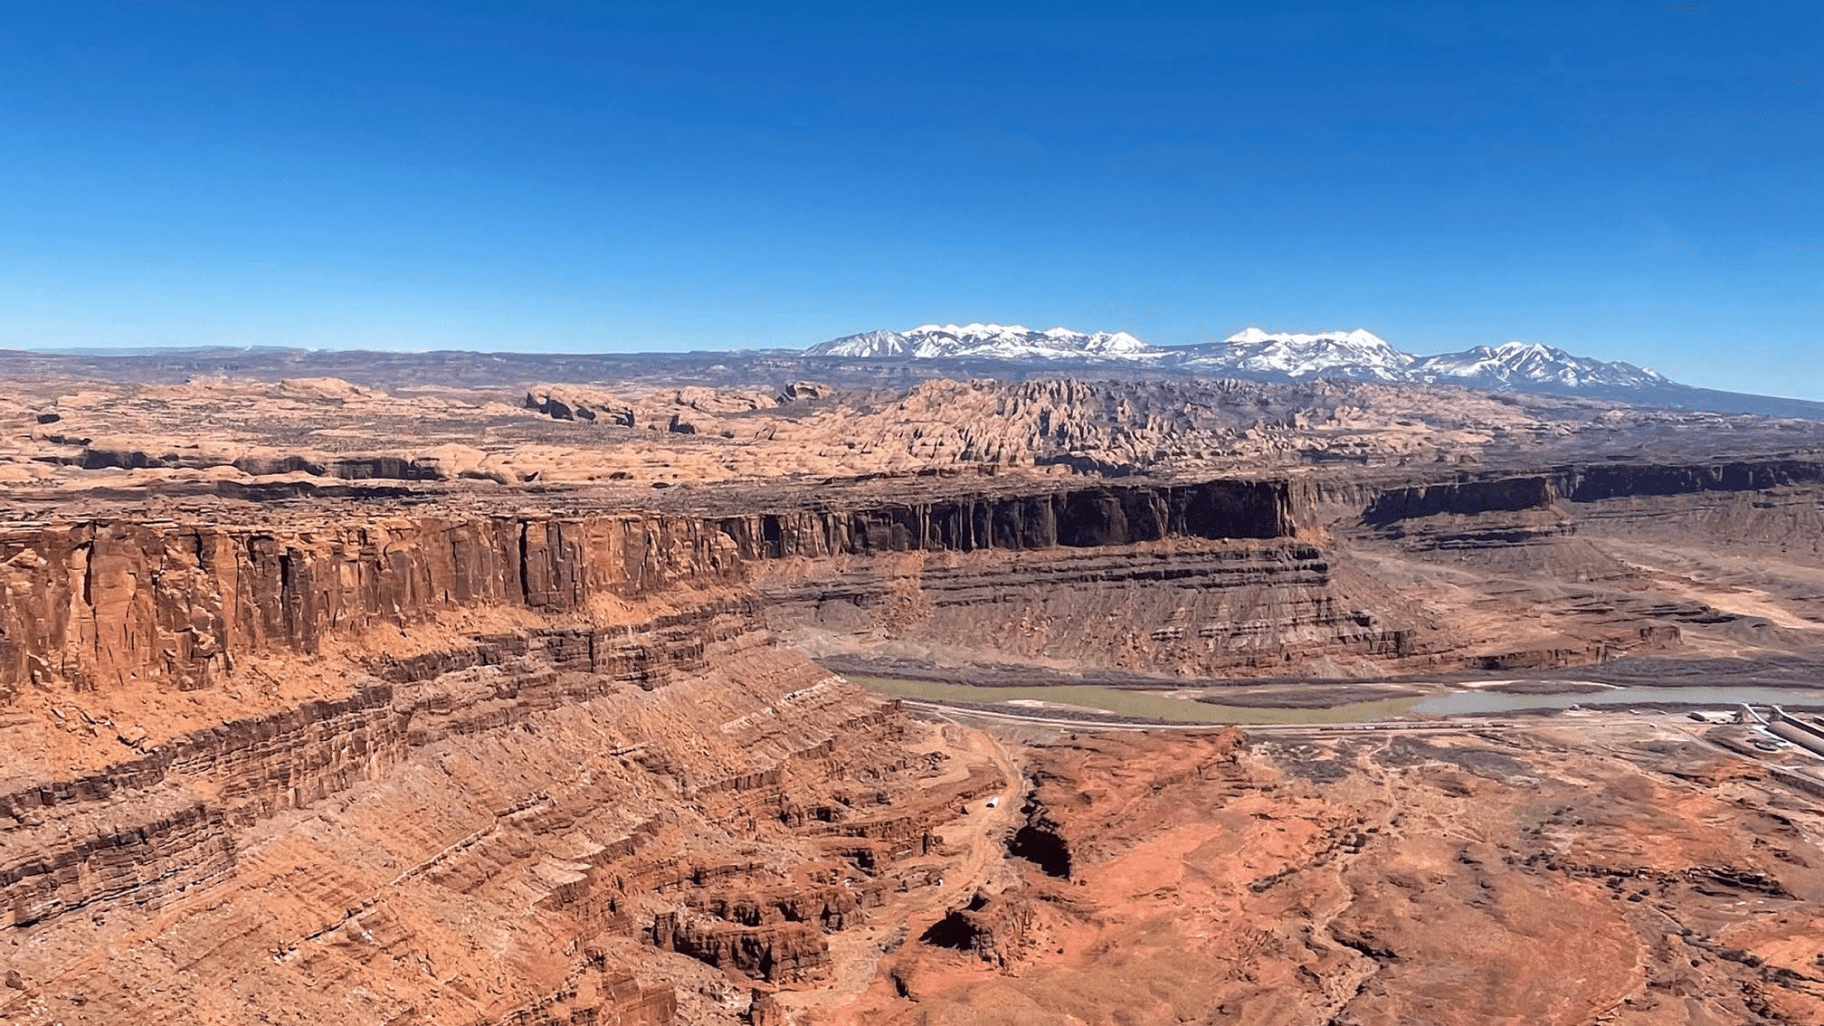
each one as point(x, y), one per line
point(331, 700)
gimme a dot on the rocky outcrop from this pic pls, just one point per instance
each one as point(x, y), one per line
point(777, 953)
point(563, 402)
point(992, 927)
point(597, 998)
point(351, 468)
point(135, 832)
point(1335, 879)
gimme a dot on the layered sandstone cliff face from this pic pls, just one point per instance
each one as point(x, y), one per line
point(1718, 556)
point(1224, 576)
point(1195, 579)
point(483, 837)
point(460, 768)
point(429, 769)
point(1185, 607)
point(502, 768)
point(106, 605)
point(1462, 573)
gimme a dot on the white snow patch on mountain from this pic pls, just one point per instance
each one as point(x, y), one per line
point(1253, 352)
point(1358, 354)
point(1529, 363)
point(1014, 342)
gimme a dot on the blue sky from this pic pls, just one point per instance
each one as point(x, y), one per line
point(1635, 181)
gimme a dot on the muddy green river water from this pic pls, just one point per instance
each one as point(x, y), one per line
point(1445, 701)
point(1130, 703)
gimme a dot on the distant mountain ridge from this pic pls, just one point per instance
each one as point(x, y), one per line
point(986, 341)
point(1253, 352)
point(1511, 368)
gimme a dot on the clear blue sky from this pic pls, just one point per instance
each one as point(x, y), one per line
point(1638, 181)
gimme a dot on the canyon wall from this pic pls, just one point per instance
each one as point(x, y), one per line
point(501, 828)
point(103, 604)
point(258, 762)
point(1581, 484)
point(532, 768)
point(1240, 575)
point(106, 604)
point(1076, 518)
point(1593, 483)
point(1347, 578)
point(1193, 607)
point(1546, 523)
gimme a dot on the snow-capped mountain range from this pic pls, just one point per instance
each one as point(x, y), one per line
point(1354, 354)
point(1513, 364)
point(1253, 352)
point(987, 342)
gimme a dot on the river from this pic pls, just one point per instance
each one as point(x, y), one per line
point(1447, 700)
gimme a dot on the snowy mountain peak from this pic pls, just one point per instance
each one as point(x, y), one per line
point(1359, 354)
point(1254, 352)
point(1529, 364)
point(974, 329)
point(868, 344)
point(989, 342)
point(1359, 338)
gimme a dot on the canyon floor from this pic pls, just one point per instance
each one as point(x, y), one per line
point(419, 695)
point(1615, 869)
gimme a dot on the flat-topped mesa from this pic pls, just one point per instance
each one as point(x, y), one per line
point(1502, 495)
point(1595, 483)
